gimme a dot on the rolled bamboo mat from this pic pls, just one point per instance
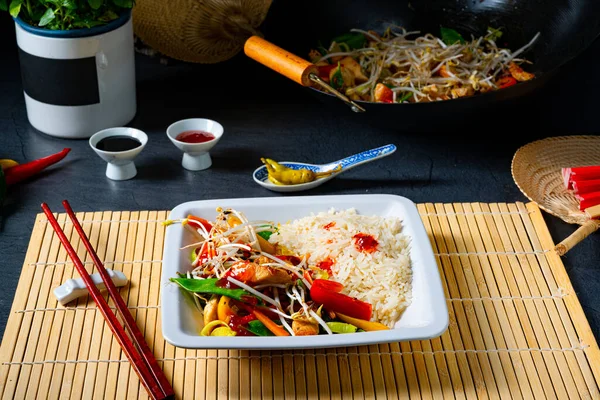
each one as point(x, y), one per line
point(517, 329)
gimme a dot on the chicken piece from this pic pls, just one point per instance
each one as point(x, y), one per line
point(210, 309)
point(268, 275)
point(305, 328)
point(383, 94)
point(347, 76)
point(462, 92)
point(263, 260)
point(254, 274)
point(351, 65)
point(518, 73)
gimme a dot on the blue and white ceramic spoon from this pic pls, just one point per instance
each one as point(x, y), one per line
point(261, 176)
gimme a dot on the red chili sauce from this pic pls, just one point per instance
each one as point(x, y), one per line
point(365, 243)
point(326, 264)
point(329, 225)
point(238, 324)
point(195, 137)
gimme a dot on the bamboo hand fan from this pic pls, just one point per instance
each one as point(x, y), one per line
point(536, 169)
point(212, 31)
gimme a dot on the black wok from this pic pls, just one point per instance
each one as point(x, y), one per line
point(567, 28)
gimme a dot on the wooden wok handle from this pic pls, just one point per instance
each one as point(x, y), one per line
point(581, 233)
point(280, 60)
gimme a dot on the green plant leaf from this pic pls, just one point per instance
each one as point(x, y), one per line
point(3, 5)
point(450, 36)
point(15, 8)
point(108, 16)
point(47, 17)
point(69, 4)
point(86, 23)
point(95, 4)
point(123, 3)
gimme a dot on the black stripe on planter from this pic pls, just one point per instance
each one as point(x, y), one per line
point(60, 82)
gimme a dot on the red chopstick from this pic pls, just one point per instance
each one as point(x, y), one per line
point(144, 363)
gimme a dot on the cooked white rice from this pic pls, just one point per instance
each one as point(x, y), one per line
point(382, 278)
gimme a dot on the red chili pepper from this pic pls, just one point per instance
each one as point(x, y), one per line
point(506, 82)
point(326, 292)
point(21, 172)
point(201, 221)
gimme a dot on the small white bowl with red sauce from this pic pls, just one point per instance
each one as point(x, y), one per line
point(195, 137)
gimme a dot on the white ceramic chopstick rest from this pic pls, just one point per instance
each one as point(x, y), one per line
point(75, 288)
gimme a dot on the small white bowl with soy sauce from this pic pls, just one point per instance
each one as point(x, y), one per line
point(195, 137)
point(119, 147)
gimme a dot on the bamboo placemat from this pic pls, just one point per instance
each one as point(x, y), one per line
point(516, 329)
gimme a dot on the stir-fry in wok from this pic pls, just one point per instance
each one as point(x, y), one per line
point(401, 66)
point(246, 286)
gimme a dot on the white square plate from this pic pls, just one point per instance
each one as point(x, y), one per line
point(425, 318)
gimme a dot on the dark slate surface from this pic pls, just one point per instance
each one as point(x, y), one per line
point(266, 115)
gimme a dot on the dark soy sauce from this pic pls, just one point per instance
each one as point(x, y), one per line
point(118, 143)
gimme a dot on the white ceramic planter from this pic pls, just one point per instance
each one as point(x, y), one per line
point(78, 82)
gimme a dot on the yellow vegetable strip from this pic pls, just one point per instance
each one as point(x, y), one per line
point(208, 328)
point(362, 324)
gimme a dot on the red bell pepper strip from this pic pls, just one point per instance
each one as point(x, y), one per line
point(506, 81)
point(21, 172)
point(200, 221)
point(326, 292)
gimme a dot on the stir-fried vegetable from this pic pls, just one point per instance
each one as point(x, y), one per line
point(362, 324)
point(327, 292)
point(272, 326)
point(217, 328)
point(246, 286)
point(210, 286)
point(400, 66)
point(258, 328)
point(341, 327)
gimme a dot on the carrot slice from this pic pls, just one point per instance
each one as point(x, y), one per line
point(272, 326)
